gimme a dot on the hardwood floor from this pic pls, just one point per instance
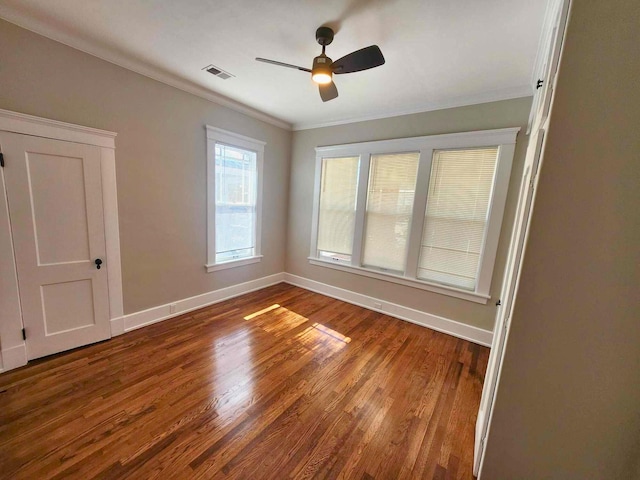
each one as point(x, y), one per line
point(279, 383)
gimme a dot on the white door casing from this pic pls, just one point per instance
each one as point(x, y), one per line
point(54, 191)
point(546, 70)
point(508, 291)
point(551, 54)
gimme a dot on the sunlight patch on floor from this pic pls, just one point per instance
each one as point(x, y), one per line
point(332, 333)
point(319, 337)
point(260, 312)
point(282, 319)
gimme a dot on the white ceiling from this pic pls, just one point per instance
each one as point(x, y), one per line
point(439, 53)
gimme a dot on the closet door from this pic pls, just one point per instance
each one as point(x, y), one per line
point(526, 198)
point(508, 292)
point(54, 191)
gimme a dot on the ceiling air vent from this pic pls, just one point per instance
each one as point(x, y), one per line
point(218, 72)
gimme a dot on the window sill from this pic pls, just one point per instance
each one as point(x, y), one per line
point(233, 263)
point(387, 277)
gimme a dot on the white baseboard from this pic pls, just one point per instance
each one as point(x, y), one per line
point(143, 318)
point(14, 357)
point(441, 324)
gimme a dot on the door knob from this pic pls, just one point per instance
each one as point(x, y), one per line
point(98, 263)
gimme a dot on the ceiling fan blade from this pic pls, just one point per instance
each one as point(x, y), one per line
point(362, 59)
point(288, 65)
point(328, 91)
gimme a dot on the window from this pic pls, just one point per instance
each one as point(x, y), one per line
point(337, 208)
point(234, 184)
point(456, 216)
point(423, 211)
point(392, 185)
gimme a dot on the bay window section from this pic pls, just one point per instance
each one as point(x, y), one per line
point(392, 184)
point(456, 217)
point(425, 212)
point(338, 188)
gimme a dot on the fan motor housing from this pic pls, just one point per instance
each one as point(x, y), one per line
point(321, 65)
point(322, 62)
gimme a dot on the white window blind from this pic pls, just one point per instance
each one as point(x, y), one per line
point(460, 189)
point(338, 189)
point(392, 184)
point(235, 202)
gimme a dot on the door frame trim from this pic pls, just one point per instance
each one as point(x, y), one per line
point(45, 127)
point(13, 352)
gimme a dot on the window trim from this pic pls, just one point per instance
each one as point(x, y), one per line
point(411, 282)
point(504, 139)
point(218, 135)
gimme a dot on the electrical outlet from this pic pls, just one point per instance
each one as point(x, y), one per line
point(173, 307)
point(377, 305)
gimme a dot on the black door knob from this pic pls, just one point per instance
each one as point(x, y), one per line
point(98, 263)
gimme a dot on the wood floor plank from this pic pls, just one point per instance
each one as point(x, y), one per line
point(279, 383)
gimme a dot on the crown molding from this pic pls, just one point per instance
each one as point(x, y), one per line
point(137, 66)
point(143, 68)
point(464, 101)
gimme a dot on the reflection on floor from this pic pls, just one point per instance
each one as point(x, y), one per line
point(279, 383)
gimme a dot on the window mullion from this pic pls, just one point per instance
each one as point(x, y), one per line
point(361, 206)
point(316, 206)
point(419, 208)
point(494, 218)
point(257, 204)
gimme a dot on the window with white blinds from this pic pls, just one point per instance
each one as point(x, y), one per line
point(392, 185)
point(338, 188)
point(460, 188)
point(424, 211)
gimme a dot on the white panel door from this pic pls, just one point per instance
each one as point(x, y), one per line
point(526, 197)
point(509, 287)
point(54, 190)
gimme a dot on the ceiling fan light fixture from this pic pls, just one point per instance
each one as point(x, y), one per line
point(323, 67)
point(321, 72)
point(321, 78)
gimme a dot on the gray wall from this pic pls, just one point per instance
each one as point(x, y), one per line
point(568, 404)
point(160, 161)
point(508, 113)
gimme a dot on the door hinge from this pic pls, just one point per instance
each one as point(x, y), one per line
point(1, 160)
point(24, 334)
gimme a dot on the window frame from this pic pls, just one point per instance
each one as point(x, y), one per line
point(316, 210)
point(219, 136)
point(504, 139)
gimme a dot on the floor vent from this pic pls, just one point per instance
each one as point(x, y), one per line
point(218, 72)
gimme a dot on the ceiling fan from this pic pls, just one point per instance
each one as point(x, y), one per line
point(323, 67)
